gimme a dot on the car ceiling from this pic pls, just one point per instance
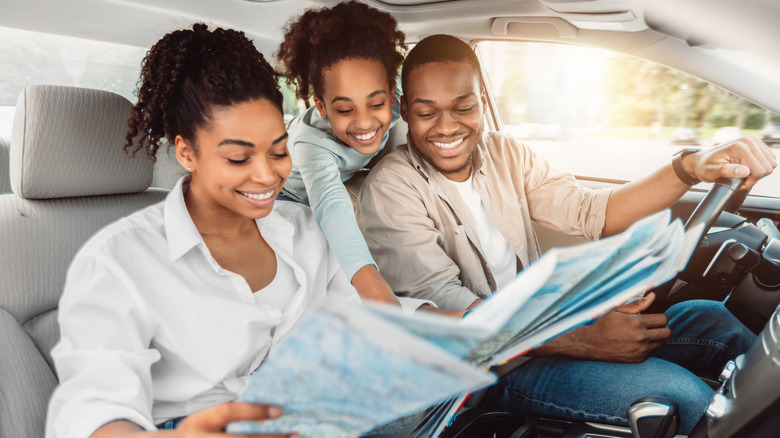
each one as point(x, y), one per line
point(732, 43)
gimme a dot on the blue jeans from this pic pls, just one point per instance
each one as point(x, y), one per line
point(170, 424)
point(704, 337)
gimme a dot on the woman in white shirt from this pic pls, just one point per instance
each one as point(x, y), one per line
point(167, 312)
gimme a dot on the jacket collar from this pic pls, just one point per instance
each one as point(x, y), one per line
point(447, 191)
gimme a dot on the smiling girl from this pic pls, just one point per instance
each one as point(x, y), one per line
point(167, 312)
point(346, 58)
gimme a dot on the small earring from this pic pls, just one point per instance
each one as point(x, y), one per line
point(189, 169)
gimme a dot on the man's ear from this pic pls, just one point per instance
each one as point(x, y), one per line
point(185, 153)
point(320, 107)
point(483, 97)
point(404, 109)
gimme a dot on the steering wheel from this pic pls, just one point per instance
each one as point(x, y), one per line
point(723, 196)
point(718, 199)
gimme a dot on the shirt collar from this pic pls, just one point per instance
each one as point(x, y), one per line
point(180, 230)
point(182, 234)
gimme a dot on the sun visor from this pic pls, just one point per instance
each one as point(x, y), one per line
point(612, 15)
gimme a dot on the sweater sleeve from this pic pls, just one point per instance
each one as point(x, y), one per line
point(332, 206)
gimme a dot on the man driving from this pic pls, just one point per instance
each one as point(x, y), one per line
point(448, 218)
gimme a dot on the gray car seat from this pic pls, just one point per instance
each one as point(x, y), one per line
point(70, 177)
point(5, 180)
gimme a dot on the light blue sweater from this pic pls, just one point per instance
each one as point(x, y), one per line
point(321, 164)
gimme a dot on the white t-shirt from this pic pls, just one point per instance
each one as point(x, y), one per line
point(499, 255)
point(281, 290)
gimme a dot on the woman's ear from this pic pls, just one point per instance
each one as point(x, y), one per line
point(320, 107)
point(185, 153)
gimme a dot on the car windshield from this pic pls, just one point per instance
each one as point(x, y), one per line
point(608, 116)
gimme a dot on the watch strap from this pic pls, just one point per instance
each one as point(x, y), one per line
point(680, 171)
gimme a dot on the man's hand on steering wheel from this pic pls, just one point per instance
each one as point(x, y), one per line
point(747, 158)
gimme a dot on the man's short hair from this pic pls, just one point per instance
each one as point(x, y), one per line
point(438, 48)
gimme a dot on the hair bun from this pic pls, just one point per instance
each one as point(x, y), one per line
point(186, 73)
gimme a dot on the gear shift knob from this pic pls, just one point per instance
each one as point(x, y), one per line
point(653, 417)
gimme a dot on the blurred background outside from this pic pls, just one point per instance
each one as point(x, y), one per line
point(601, 114)
point(591, 112)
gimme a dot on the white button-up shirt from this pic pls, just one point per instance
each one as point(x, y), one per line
point(153, 328)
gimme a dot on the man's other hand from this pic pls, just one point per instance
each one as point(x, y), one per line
point(621, 335)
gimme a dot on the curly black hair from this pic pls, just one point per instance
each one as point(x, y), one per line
point(189, 72)
point(322, 37)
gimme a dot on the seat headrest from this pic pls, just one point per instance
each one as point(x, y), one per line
point(67, 142)
point(5, 181)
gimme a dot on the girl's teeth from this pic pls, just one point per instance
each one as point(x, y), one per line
point(448, 145)
point(258, 196)
point(365, 137)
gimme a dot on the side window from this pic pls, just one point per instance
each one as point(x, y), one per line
point(292, 106)
point(609, 116)
point(32, 58)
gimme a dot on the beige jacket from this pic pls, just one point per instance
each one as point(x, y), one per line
point(422, 236)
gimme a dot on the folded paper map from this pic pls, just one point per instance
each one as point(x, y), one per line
point(347, 369)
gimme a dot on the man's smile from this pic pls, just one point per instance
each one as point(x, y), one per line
point(449, 145)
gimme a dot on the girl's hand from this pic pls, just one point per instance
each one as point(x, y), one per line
point(372, 287)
